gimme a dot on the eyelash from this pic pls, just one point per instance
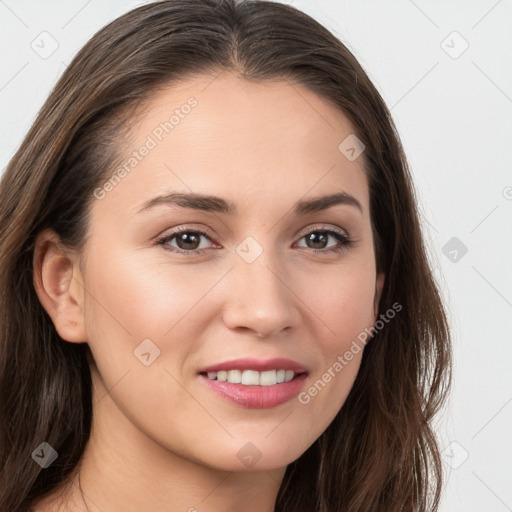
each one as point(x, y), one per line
point(345, 241)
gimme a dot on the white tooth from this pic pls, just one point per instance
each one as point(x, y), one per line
point(222, 376)
point(212, 375)
point(288, 375)
point(235, 376)
point(268, 378)
point(251, 377)
point(280, 376)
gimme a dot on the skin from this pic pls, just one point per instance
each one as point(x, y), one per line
point(160, 437)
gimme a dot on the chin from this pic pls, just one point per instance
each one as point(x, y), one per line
point(259, 454)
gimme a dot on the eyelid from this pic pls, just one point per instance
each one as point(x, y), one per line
point(323, 227)
point(185, 228)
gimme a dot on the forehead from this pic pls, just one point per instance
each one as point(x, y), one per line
point(246, 141)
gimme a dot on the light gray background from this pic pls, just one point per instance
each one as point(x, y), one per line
point(453, 111)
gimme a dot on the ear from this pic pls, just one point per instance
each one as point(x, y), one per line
point(58, 283)
point(379, 284)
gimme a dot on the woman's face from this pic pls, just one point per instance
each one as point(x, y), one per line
point(265, 288)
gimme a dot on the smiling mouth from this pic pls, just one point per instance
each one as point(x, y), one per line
point(252, 377)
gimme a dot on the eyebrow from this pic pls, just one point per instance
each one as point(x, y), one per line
point(209, 203)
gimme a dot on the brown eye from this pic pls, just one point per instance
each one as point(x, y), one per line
point(317, 240)
point(188, 241)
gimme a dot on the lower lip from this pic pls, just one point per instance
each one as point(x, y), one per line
point(257, 397)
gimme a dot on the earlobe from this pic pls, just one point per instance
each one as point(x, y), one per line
point(56, 275)
point(379, 284)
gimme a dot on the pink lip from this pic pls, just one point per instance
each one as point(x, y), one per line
point(258, 365)
point(257, 397)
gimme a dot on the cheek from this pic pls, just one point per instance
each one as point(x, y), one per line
point(141, 297)
point(132, 300)
point(343, 302)
point(341, 299)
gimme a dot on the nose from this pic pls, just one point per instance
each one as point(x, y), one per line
point(260, 300)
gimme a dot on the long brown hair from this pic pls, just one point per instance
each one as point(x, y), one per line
point(379, 453)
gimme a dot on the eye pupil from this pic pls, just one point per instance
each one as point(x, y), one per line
point(313, 237)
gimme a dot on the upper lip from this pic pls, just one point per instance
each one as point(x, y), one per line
point(259, 365)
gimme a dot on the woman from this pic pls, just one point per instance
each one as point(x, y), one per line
point(215, 292)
